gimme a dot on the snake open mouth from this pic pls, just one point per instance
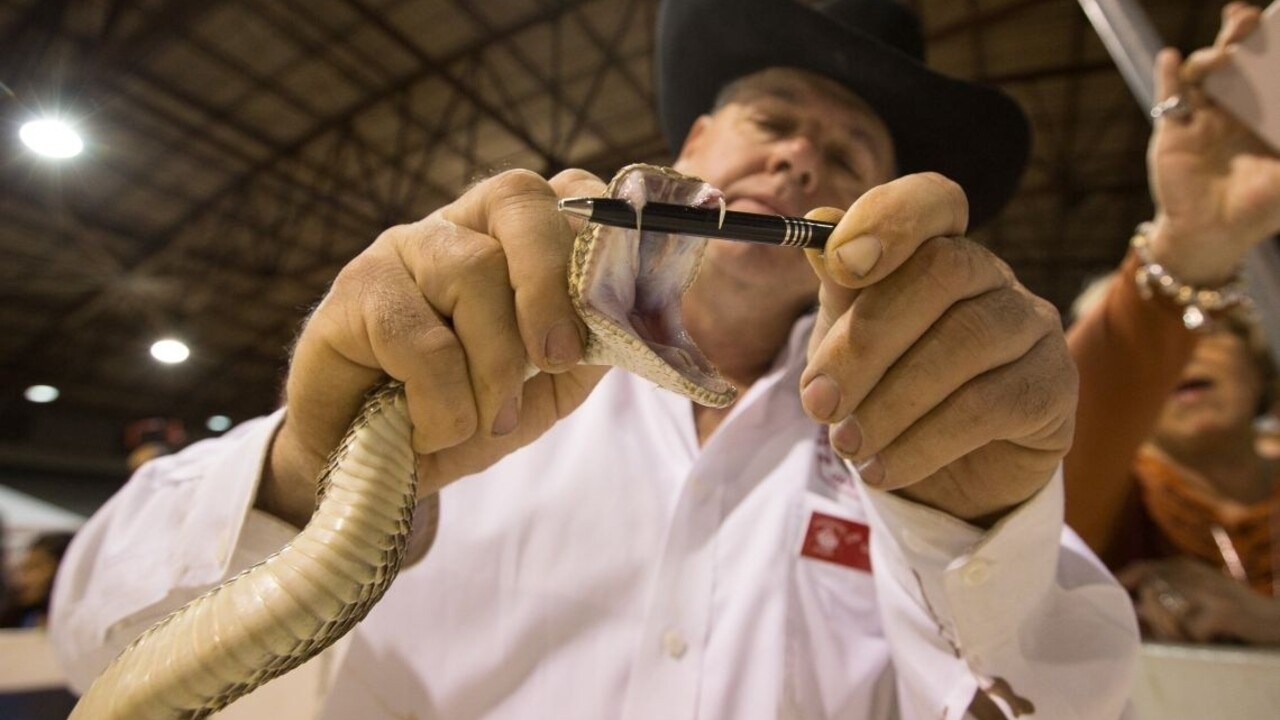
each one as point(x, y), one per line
point(635, 280)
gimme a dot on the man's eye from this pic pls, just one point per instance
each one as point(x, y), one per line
point(772, 125)
point(842, 162)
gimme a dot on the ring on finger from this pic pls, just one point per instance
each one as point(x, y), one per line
point(1176, 107)
point(1170, 599)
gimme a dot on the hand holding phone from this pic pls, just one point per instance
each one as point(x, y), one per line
point(1248, 86)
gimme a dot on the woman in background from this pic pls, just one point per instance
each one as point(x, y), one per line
point(1200, 555)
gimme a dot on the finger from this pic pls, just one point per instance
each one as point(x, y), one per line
point(1238, 21)
point(885, 226)
point(575, 182)
point(1025, 403)
point(547, 399)
point(971, 338)
point(463, 275)
point(889, 317)
point(1168, 63)
point(1205, 624)
point(1200, 63)
point(1162, 624)
point(377, 321)
point(518, 208)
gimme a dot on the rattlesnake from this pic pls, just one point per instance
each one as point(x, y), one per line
point(279, 613)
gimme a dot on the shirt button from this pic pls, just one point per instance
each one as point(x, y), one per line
point(976, 572)
point(673, 644)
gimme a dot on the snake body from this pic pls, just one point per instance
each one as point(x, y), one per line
point(278, 614)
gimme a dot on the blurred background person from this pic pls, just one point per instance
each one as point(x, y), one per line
point(1197, 548)
point(1192, 538)
point(4, 572)
point(150, 438)
point(31, 581)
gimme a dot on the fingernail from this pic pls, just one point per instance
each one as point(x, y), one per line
point(821, 397)
point(507, 417)
point(871, 470)
point(859, 255)
point(563, 346)
point(846, 437)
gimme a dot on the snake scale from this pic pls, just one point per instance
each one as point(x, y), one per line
point(278, 614)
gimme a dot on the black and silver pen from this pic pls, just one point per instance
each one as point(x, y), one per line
point(702, 222)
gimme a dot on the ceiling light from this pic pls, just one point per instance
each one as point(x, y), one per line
point(218, 423)
point(170, 351)
point(41, 393)
point(51, 138)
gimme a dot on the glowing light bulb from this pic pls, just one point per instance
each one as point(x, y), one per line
point(218, 423)
point(51, 138)
point(41, 393)
point(170, 351)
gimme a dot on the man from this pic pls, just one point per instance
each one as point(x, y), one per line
point(645, 559)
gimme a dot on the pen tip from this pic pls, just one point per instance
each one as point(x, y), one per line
point(580, 207)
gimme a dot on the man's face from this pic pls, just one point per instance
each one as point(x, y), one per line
point(790, 141)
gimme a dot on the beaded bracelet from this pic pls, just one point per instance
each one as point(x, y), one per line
point(1197, 304)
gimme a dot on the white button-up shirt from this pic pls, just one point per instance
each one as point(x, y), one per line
point(616, 569)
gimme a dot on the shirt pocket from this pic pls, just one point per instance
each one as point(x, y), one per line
point(837, 658)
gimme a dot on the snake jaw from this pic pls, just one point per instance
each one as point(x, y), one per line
point(627, 286)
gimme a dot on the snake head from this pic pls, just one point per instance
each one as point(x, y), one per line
point(627, 285)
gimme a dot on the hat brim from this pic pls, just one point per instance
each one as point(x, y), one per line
point(971, 133)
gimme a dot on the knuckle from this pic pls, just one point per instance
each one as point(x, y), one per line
point(950, 263)
point(387, 322)
point(575, 176)
point(1045, 312)
point(360, 282)
point(986, 321)
point(439, 347)
point(952, 194)
point(521, 182)
point(1045, 385)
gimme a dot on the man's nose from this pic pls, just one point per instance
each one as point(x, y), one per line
point(798, 157)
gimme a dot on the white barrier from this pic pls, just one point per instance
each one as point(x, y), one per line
point(1190, 682)
point(1176, 682)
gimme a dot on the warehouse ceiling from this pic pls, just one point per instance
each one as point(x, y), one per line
point(239, 152)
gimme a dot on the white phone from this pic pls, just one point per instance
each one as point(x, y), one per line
point(1249, 86)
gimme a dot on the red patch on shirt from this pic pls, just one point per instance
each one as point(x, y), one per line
point(837, 540)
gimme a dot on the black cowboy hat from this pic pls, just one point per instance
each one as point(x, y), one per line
point(973, 134)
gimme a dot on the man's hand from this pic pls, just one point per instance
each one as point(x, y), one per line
point(1184, 600)
point(942, 377)
point(1216, 186)
point(456, 306)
